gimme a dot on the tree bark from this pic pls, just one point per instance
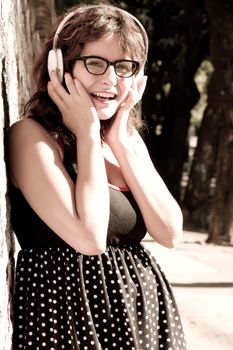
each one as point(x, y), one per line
point(200, 199)
point(198, 195)
point(20, 38)
point(221, 215)
point(179, 63)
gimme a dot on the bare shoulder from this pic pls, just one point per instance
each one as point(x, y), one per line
point(27, 132)
point(28, 145)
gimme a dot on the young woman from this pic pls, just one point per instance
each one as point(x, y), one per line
point(84, 192)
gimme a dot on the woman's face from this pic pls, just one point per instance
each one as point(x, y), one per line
point(108, 90)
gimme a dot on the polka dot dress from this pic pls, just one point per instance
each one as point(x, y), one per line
point(117, 300)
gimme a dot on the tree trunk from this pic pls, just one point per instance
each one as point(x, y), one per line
point(221, 216)
point(198, 196)
point(172, 111)
point(19, 44)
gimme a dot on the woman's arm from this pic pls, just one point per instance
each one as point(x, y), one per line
point(78, 213)
point(162, 215)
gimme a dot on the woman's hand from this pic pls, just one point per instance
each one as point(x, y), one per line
point(78, 112)
point(119, 131)
point(135, 93)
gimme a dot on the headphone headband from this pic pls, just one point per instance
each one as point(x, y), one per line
point(71, 14)
point(55, 59)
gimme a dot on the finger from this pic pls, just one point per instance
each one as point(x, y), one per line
point(56, 85)
point(70, 84)
point(134, 86)
point(142, 86)
point(80, 88)
point(54, 96)
point(83, 92)
point(129, 101)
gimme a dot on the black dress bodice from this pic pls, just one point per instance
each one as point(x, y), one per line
point(125, 224)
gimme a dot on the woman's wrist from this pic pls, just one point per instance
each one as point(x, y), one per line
point(90, 133)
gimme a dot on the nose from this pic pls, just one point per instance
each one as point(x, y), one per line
point(109, 77)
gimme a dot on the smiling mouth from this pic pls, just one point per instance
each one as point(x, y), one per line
point(103, 96)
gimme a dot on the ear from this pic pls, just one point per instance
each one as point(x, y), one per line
point(55, 62)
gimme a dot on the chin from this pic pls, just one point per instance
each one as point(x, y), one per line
point(102, 118)
point(105, 116)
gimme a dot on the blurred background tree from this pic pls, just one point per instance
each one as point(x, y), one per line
point(188, 105)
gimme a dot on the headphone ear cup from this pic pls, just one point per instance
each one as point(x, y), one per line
point(55, 62)
point(52, 61)
point(60, 67)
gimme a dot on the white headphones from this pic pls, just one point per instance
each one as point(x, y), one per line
point(55, 59)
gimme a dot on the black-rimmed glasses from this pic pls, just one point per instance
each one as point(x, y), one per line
point(98, 66)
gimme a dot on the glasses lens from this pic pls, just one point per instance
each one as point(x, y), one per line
point(96, 65)
point(125, 69)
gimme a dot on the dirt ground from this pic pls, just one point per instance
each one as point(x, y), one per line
point(202, 280)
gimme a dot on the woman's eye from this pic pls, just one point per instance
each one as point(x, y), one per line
point(124, 67)
point(95, 64)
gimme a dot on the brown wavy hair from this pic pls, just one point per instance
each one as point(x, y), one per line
point(89, 23)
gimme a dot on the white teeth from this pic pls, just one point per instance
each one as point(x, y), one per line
point(103, 95)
